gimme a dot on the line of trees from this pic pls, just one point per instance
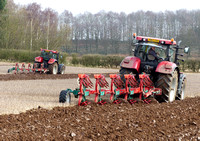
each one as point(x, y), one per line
point(30, 27)
point(110, 32)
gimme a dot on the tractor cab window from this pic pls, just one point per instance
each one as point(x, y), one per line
point(143, 50)
point(161, 52)
point(171, 55)
point(45, 55)
point(53, 55)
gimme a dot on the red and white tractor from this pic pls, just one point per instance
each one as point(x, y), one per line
point(162, 69)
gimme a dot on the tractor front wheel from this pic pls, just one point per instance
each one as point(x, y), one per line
point(53, 69)
point(65, 96)
point(62, 70)
point(181, 95)
point(169, 84)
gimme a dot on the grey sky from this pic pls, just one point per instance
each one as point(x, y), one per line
point(127, 6)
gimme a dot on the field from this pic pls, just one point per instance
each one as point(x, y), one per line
point(30, 110)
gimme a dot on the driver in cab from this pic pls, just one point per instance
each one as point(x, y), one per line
point(153, 53)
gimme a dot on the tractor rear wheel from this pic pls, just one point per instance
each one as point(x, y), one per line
point(65, 96)
point(53, 68)
point(181, 95)
point(169, 84)
point(123, 71)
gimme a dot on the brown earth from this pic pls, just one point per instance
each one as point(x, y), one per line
point(36, 76)
point(179, 120)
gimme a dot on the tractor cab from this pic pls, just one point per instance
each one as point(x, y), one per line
point(49, 54)
point(163, 50)
point(152, 53)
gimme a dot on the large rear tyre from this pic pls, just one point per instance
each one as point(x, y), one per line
point(169, 84)
point(123, 71)
point(181, 95)
point(65, 97)
point(53, 69)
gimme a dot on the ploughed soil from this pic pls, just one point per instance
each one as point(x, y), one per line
point(179, 120)
point(35, 76)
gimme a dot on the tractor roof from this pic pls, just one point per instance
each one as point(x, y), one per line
point(46, 50)
point(156, 40)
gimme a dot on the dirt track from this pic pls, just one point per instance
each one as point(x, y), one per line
point(178, 120)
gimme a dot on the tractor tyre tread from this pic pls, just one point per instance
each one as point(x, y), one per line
point(51, 68)
point(164, 82)
point(179, 96)
point(65, 96)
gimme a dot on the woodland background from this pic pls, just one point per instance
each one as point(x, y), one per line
point(31, 28)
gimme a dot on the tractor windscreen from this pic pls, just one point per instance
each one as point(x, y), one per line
point(53, 55)
point(45, 55)
point(142, 50)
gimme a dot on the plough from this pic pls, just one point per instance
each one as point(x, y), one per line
point(142, 88)
point(22, 69)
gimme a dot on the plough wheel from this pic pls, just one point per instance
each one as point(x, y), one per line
point(53, 69)
point(168, 83)
point(65, 96)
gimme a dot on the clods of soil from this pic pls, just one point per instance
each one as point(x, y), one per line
point(179, 120)
point(34, 76)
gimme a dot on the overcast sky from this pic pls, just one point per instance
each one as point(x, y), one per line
point(127, 6)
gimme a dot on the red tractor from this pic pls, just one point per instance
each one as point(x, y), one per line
point(49, 62)
point(159, 59)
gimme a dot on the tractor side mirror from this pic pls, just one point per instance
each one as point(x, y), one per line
point(186, 50)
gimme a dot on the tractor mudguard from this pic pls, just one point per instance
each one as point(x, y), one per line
point(181, 78)
point(39, 59)
point(131, 62)
point(51, 61)
point(166, 67)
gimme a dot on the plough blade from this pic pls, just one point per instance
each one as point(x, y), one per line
point(143, 87)
point(22, 69)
